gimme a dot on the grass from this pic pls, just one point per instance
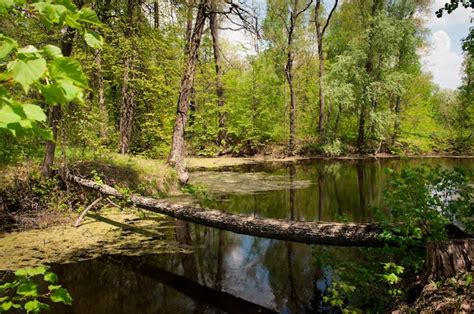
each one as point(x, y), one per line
point(137, 174)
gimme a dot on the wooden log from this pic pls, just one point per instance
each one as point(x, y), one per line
point(85, 211)
point(336, 234)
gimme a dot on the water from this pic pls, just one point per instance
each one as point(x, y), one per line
point(226, 268)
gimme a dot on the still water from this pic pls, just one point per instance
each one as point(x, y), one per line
point(228, 272)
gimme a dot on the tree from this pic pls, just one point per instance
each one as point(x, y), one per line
point(320, 36)
point(214, 27)
point(177, 153)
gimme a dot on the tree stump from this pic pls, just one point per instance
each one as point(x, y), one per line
point(445, 259)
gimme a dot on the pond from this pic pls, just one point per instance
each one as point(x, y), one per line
point(228, 272)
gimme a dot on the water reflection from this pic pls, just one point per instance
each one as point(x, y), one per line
point(226, 268)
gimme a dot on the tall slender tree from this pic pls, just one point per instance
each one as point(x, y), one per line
point(320, 31)
point(295, 12)
point(177, 153)
point(214, 27)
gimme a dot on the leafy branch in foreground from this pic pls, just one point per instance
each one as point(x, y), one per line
point(25, 293)
point(57, 78)
point(425, 199)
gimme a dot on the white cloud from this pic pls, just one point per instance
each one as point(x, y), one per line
point(458, 18)
point(443, 62)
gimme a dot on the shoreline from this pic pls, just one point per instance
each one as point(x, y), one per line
point(217, 162)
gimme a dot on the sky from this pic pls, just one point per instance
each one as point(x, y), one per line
point(444, 56)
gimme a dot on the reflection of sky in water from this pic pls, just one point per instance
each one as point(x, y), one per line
point(245, 275)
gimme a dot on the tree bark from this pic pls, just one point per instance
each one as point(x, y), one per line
point(177, 153)
point(396, 125)
point(289, 77)
point(103, 133)
point(214, 26)
point(445, 259)
point(189, 26)
point(55, 111)
point(126, 109)
point(156, 14)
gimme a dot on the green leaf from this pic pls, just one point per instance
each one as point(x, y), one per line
point(52, 51)
point(61, 295)
point(50, 277)
point(30, 49)
point(34, 112)
point(53, 94)
point(93, 40)
point(32, 306)
point(51, 13)
point(6, 286)
point(53, 287)
point(31, 271)
point(5, 5)
point(5, 306)
point(7, 44)
point(69, 69)
point(27, 72)
point(68, 4)
point(7, 115)
point(87, 15)
point(43, 133)
point(61, 92)
point(27, 289)
point(35, 306)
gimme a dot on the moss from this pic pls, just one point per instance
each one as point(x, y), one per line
point(128, 232)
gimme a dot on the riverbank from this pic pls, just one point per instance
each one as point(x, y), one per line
point(203, 163)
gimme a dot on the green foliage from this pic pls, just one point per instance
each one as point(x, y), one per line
point(26, 290)
point(58, 79)
point(426, 199)
point(337, 293)
point(391, 275)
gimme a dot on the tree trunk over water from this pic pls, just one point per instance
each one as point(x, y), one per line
point(177, 154)
point(337, 234)
point(340, 234)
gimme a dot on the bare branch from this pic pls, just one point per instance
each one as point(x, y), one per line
point(329, 17)
point(306, 7)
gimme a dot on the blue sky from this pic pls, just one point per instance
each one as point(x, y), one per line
point(444, 56)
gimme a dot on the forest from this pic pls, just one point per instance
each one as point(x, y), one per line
point(180, 146)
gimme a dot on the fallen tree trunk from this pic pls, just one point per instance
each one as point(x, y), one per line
point(336, 234)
